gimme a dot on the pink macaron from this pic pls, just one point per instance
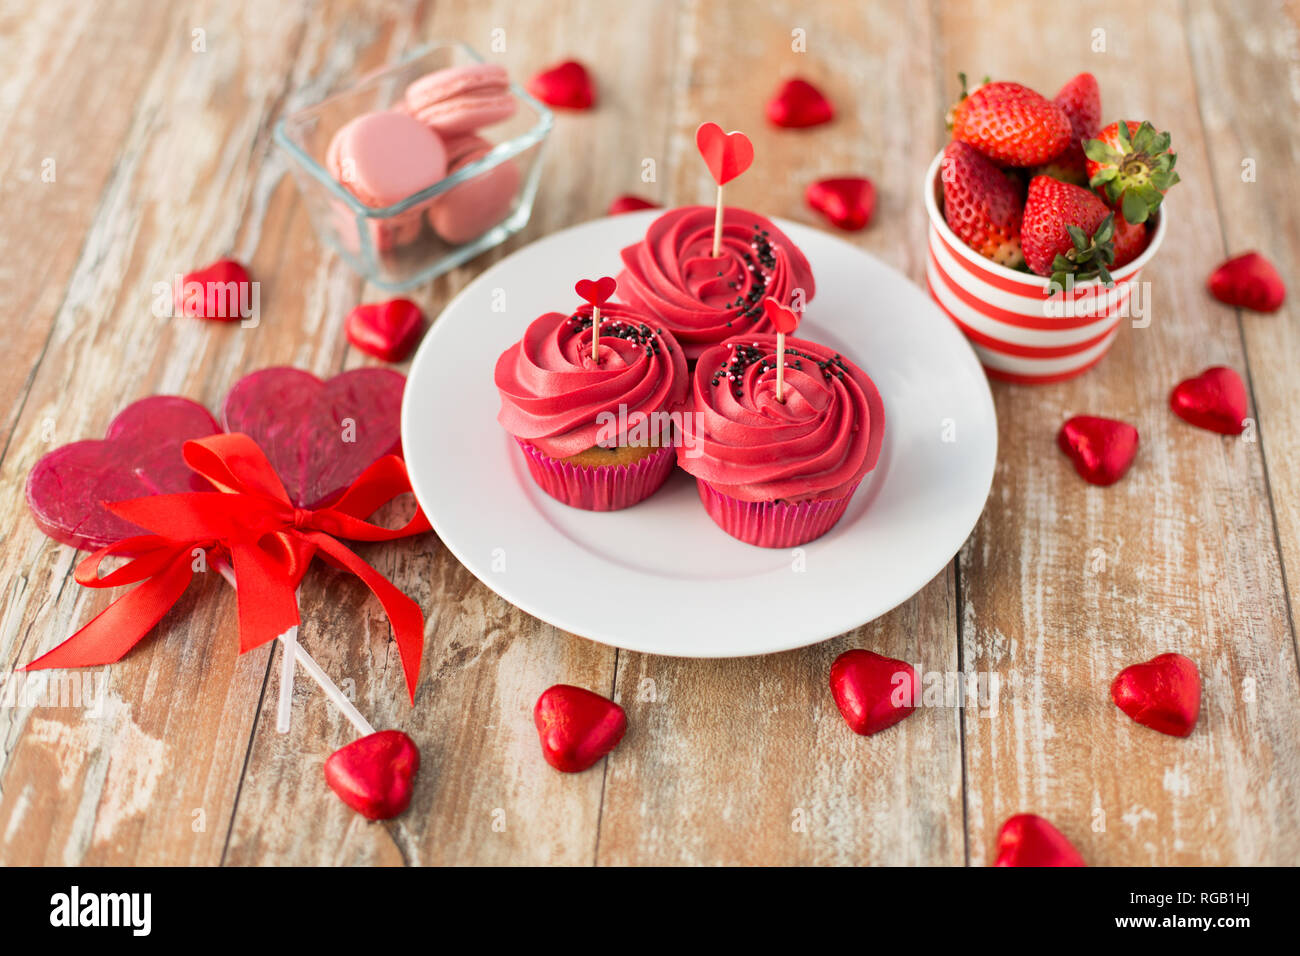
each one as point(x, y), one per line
point(467, 211)
point(461, 99)
point(382, 158)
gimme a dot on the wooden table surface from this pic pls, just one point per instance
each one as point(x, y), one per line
point(163, 159)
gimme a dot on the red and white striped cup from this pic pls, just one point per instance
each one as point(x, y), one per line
point(1019, 332)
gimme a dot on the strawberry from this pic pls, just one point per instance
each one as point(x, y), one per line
point(1066, 230)
point(981, 205)
point(1080, 100)
point(1131, 167)
point(1249, 281)
point(1130, 240)
point(1010, 124)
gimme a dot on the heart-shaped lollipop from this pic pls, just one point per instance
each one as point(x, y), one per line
point(872, 691)
point(1028, 840)
point(375, 774)
point(1163, 693)
point(319, 436)
point(595, 292)
point(577, 727)
point(1101, 448)
point(139, 455)
point(726, 154)
point(1214, 400)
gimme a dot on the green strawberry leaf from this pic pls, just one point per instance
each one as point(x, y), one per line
point(1121, 130)
point(1134, 207)
point(1101, 152)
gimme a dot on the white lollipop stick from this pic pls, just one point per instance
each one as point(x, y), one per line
point(296, 653)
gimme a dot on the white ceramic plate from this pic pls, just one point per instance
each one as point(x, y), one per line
point(661, 577)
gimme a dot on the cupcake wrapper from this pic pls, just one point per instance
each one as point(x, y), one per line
point(603, 488)
point(773, 524)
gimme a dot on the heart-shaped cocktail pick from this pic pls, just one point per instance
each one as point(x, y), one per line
point(785, 320)
point(595, 292)
point(727, 155)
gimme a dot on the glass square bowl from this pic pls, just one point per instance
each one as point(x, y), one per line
point(358, 232)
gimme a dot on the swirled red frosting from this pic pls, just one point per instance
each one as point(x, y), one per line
point(819, 442)
point(552, 391)
point(673, 275)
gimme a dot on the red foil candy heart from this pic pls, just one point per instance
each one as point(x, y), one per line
point(1029, 840)
point(1163, 693)
point(798, 104)
point(577, 727)
point(139, 455)
point(595, 292)
point(847, 202)
point(1249, 281)
point(726, 154)
point(872, 692)
point(567, 85)
point(218, 291)
point(1101, 448)
point(623, 204)
point(375, 775)
point(386, 330)
point(319, 436)
point(1214, 400)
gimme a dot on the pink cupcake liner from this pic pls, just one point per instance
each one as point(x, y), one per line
point(773, 524)
point(604, 487)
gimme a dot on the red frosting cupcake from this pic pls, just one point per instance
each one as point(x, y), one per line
point(595, 434)
point(672, 275)
point(778, 474)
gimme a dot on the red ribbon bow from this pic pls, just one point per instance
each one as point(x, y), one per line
point(270, 544)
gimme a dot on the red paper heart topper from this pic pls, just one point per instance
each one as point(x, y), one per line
point(726, 154)
point(595, 292)
point(374, 775)
point(785, 320)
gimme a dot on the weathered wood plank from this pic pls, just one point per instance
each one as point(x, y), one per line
point(1244, 56)
point(748, 761)
point(1064, 583)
